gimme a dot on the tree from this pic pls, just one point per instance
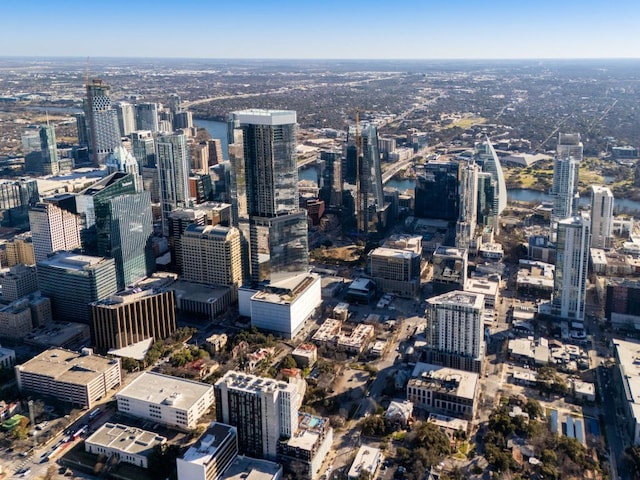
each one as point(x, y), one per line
point(533, 408)
point(373, 425)
point(289, 362)
point(162, 461)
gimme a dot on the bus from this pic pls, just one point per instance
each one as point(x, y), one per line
point(94, 414)
point(79, 432)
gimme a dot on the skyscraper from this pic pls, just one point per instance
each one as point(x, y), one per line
point(118, 224)
point(53, 228)
point(566, 168)
point(331, 179)
point(601, 216)
point(126, 118)
point(49, 150)
point(437, 191)
point(569, 145)
point(487, 157)
point(147, 116)
point(265, 183)
point(454, 330)
point(173, 168)
point(103, 121)
point(15, 199)
point(466, 225)
point(122, 161)
point(572, 259)
point(144, 148)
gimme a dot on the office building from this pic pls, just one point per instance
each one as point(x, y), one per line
point(77, 378)
point(19, 250)
point(132, 316)
point(172, 158)
point(84, 134)
point(123, 443)
point(54, 228)
point(572, 259)
point(118, 224)
point(182, 120)
point(449, 269)
point(123, 161)
point(15, 320)
point(467, 220)
point(487, 157)
point(144, 148)
point(7, 359)
point(73, 281)
point(437, 191)
point(31, 149)
point(147, 117)
point(18, 282)
point(251, 468)
point(601, 217)
point(104, 132)
point(211, 455)
point(48, 150)
point(199, 158)
point(263, 410)
point(622, 303)
point(626, 379)
point(443, 390)
point(264, 177)
point(215, 151)
point(331, 178)
point(486, 203)
point(16, 196)
point(212, 255)
point(454, 332)
point(171, 401)
point(179, 220)
point(282, 307)
point(126, 118)
point(395, 270)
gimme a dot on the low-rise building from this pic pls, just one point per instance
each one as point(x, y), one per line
point(246, 468)
point(211, 455)
point(127, 444)
point(399, 413)
point(328, 331)
point(486, 287)
point(305, 355)
point(78, 378)
point(164, 399)
point(535, 278)
point(368, 459)
point(443, 390)
point(449, 425)
point(358, 339)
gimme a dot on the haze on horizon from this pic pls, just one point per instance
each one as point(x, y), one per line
point(331, 29)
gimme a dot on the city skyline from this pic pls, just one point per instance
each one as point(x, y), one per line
point(460, 29)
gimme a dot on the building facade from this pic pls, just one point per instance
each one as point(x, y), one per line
point(124, 443)
point(601, 217)
point(211, 455)
point(172, 157)
point(53, 229)
point(18, 282)
point(104, 131)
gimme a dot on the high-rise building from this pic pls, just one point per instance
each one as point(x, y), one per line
point(601, 217)
point(31, 151)
point(20, 250)
point(449, 269)
point(123, 161)
point(486, 199)
point(395, 267)
point(569, 145)
point(16, 197)
point(49, 150)
point(174, 103)
point(118, 224)
point(126, 118)
point(437, 191)
point(103, 121)
point(144, 149)
point(454, 330)
point(73, 281)
point(19, 281)
point(200, 157)
point(487, 157)
point(263, 410)
point(215, 151)
point(182, 120)
point(147, 117)
point(131, 316)
point(467, 221)
point(564, 189)
point(53, 228)
point(572, 259)
point(331, 179)
point(265, 192)
point(84, 133)
point(212, 255)
point(173, 168)
point(210, 456)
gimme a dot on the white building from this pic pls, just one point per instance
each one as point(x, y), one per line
point(172, 401)
point(572, 260)
point(367, 459)
point(269, 411)
point(246, 468)
point(601, 216)
point(454, 330)
point(53, 229)
point(565, 178)
point(284, 306)
point(210, 456)
point(127, 444)
point(628, 379)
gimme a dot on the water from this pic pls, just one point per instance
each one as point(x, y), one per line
point(527, 195)
point(401, 184)
point(309, 172)
point(216, 130)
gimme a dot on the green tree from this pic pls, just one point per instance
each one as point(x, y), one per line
point(162, 461)
point(533, 408)
point(289, 362)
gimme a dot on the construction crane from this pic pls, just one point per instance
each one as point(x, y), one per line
point(359, 219)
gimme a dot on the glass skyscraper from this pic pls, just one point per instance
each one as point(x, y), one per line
point(265, 192)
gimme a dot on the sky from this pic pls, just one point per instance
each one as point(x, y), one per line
point(327, 29)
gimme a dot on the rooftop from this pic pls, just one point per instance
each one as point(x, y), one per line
point(164, 389)
point(458, 298)
point(458, 382)
point(126, 439)
point(252, 383)
point(203, 450)
point(74, 261)
point(245, 468)
point(256, 116)
point(67, 366)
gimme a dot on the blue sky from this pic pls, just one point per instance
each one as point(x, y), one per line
point(430, 29)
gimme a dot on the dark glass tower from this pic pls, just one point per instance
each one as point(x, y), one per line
point(437, 191)
point(265, 192)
